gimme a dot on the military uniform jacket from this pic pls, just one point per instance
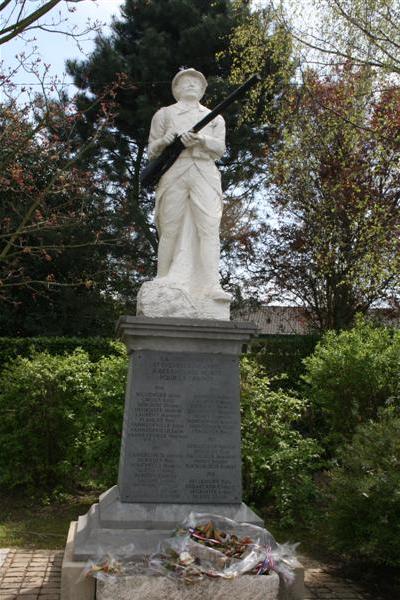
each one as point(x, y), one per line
point(179, 118)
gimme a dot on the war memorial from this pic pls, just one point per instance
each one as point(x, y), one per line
point(180, 449)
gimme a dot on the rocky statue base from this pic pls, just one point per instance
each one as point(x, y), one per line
point(161, 299)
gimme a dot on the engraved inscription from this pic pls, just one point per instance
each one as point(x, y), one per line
point(157, 415)
point(181, 440)
point(212, 414)
point(208, 489)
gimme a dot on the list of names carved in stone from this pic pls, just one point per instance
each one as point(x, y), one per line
point(181, 440)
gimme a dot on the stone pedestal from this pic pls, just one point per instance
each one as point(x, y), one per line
point(112, 524)
point(148, 587)
point(180, 447)
point(181, 436)
point(180, 453)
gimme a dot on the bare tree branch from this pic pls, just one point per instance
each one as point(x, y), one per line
point(19, 25)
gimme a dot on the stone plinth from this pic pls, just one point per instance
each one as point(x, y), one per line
point(185, 335)
point(112, 524)
point(181, 434)
point(180, 454)
point(73, 586)
point(142, 587)
point(180, 450)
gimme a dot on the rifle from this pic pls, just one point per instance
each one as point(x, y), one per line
point(157, 167)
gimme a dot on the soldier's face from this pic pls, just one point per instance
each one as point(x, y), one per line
point(189, 88)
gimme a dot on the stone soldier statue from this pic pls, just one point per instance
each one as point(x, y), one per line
point(188, 209)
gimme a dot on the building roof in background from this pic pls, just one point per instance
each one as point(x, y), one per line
point(292, 320)
point(272, 320)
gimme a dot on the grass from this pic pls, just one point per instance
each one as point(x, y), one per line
point(26, 523)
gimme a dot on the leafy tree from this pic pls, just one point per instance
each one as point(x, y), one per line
point(257, 44)
point(364, 32)
point(334, 245)
point(55, 226)
point(149, 43)
point(55, 222)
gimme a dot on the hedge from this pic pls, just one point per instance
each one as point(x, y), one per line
point(276, 353)
point(62, 424)
point(280, 354)
point(96, 347)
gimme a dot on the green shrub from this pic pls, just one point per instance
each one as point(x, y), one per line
point(283, 355)
point(278, 461)
point(61, 420)
point(62, 424)
point(349, 377)
point(96, 347)
point(105, 426)
point(364, 493)
point(43, 401)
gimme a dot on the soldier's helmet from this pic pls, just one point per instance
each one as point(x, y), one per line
point(191, 72)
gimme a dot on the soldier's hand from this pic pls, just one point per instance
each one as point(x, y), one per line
point(190, 139)
point(168, 138)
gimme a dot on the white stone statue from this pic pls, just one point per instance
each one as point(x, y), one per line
point(188, 210)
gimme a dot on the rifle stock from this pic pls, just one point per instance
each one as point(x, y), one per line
point(157, 167)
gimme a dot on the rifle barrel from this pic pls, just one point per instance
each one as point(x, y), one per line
point(228, 100)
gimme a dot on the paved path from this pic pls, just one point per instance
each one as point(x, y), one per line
point(322, 583)
point(36, 575)
point(31, 575)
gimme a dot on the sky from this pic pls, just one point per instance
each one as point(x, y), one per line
point(54, 48)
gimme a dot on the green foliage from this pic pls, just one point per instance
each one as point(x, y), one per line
point(364, 493)
point(258, 44)
point(330, 246)
point(282, 357)
point(104, 429)
point(96, 347)
point(278, 461)
point(349, 377)
point(363, 31)
point(74, 311)
point(62, 419)
point(42, 402)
